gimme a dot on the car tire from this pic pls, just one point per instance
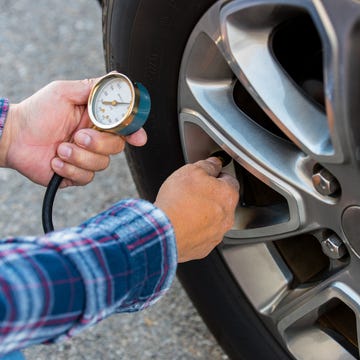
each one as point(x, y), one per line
point(146, 40)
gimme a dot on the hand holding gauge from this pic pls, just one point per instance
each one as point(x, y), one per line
point(115, 105)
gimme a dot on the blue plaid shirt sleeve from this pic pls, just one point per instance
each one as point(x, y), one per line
point(54, 286)
point(57, 285)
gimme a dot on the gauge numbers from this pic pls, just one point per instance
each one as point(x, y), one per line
point(113, 101)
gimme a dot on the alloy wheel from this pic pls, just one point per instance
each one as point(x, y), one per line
point(276, 84)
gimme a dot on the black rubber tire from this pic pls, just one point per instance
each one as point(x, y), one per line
point(146, 39)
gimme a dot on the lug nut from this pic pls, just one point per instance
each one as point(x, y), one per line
point(325, 183)
point(333, 247)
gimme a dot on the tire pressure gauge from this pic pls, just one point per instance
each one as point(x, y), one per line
point(118, 105)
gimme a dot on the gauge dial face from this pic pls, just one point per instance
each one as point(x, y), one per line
point(113, 101)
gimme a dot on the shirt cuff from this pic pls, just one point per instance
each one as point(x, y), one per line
point(152, 253)
point(136, 264)
point(4, 108)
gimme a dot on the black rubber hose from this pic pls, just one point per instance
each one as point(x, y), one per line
point(48, 203)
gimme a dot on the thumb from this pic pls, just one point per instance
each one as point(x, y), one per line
point(212, 166)
point(77, 91)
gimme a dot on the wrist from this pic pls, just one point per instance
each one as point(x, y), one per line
point(166, 208)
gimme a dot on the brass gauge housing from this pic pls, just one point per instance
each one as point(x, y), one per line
point(118, 105)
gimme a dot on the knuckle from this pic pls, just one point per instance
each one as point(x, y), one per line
point(109, 144)
point(70, 172)
point(67, 172)
point(85, 178)
point(189, 171)
point(191, 167)
point(120, 146)
point(230, 193)
point(229, 223)
point(206, 166)
point(52, 87)
point(205, 253)
point(86, 81)
point(104, 163)
point(77, 175)
point(225, 215)
point(219, 211)
point(54, 84)
point(90, 177)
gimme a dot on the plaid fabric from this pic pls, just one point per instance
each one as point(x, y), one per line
point(57, 285)
point(4, 107)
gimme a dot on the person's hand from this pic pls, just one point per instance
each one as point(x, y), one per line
point(49, 132)
point(200, 202)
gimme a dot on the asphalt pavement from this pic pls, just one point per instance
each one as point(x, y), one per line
point(41, 41)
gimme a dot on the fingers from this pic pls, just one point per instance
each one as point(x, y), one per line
point(212, 166)
point(72, 175)
point(90, 152)
point(139, 138)
point(230, 185)
point(78, 165)
point(99, 142)
point(105, 143)
point(82, 158)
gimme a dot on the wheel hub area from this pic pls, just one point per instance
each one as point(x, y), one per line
point(350, 223)
point(281, 120)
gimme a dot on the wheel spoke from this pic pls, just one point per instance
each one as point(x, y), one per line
point(248, 44)
point(341, 47)
point(256, 269)
point(342, 63)
point(305, 315)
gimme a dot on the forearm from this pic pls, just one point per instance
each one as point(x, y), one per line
point(76, 277)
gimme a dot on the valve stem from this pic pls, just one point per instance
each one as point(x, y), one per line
point(224, 157)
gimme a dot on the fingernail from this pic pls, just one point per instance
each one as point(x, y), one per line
point(83, 139)
point(215, 160)
point(64, 151)
point(57, 163)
